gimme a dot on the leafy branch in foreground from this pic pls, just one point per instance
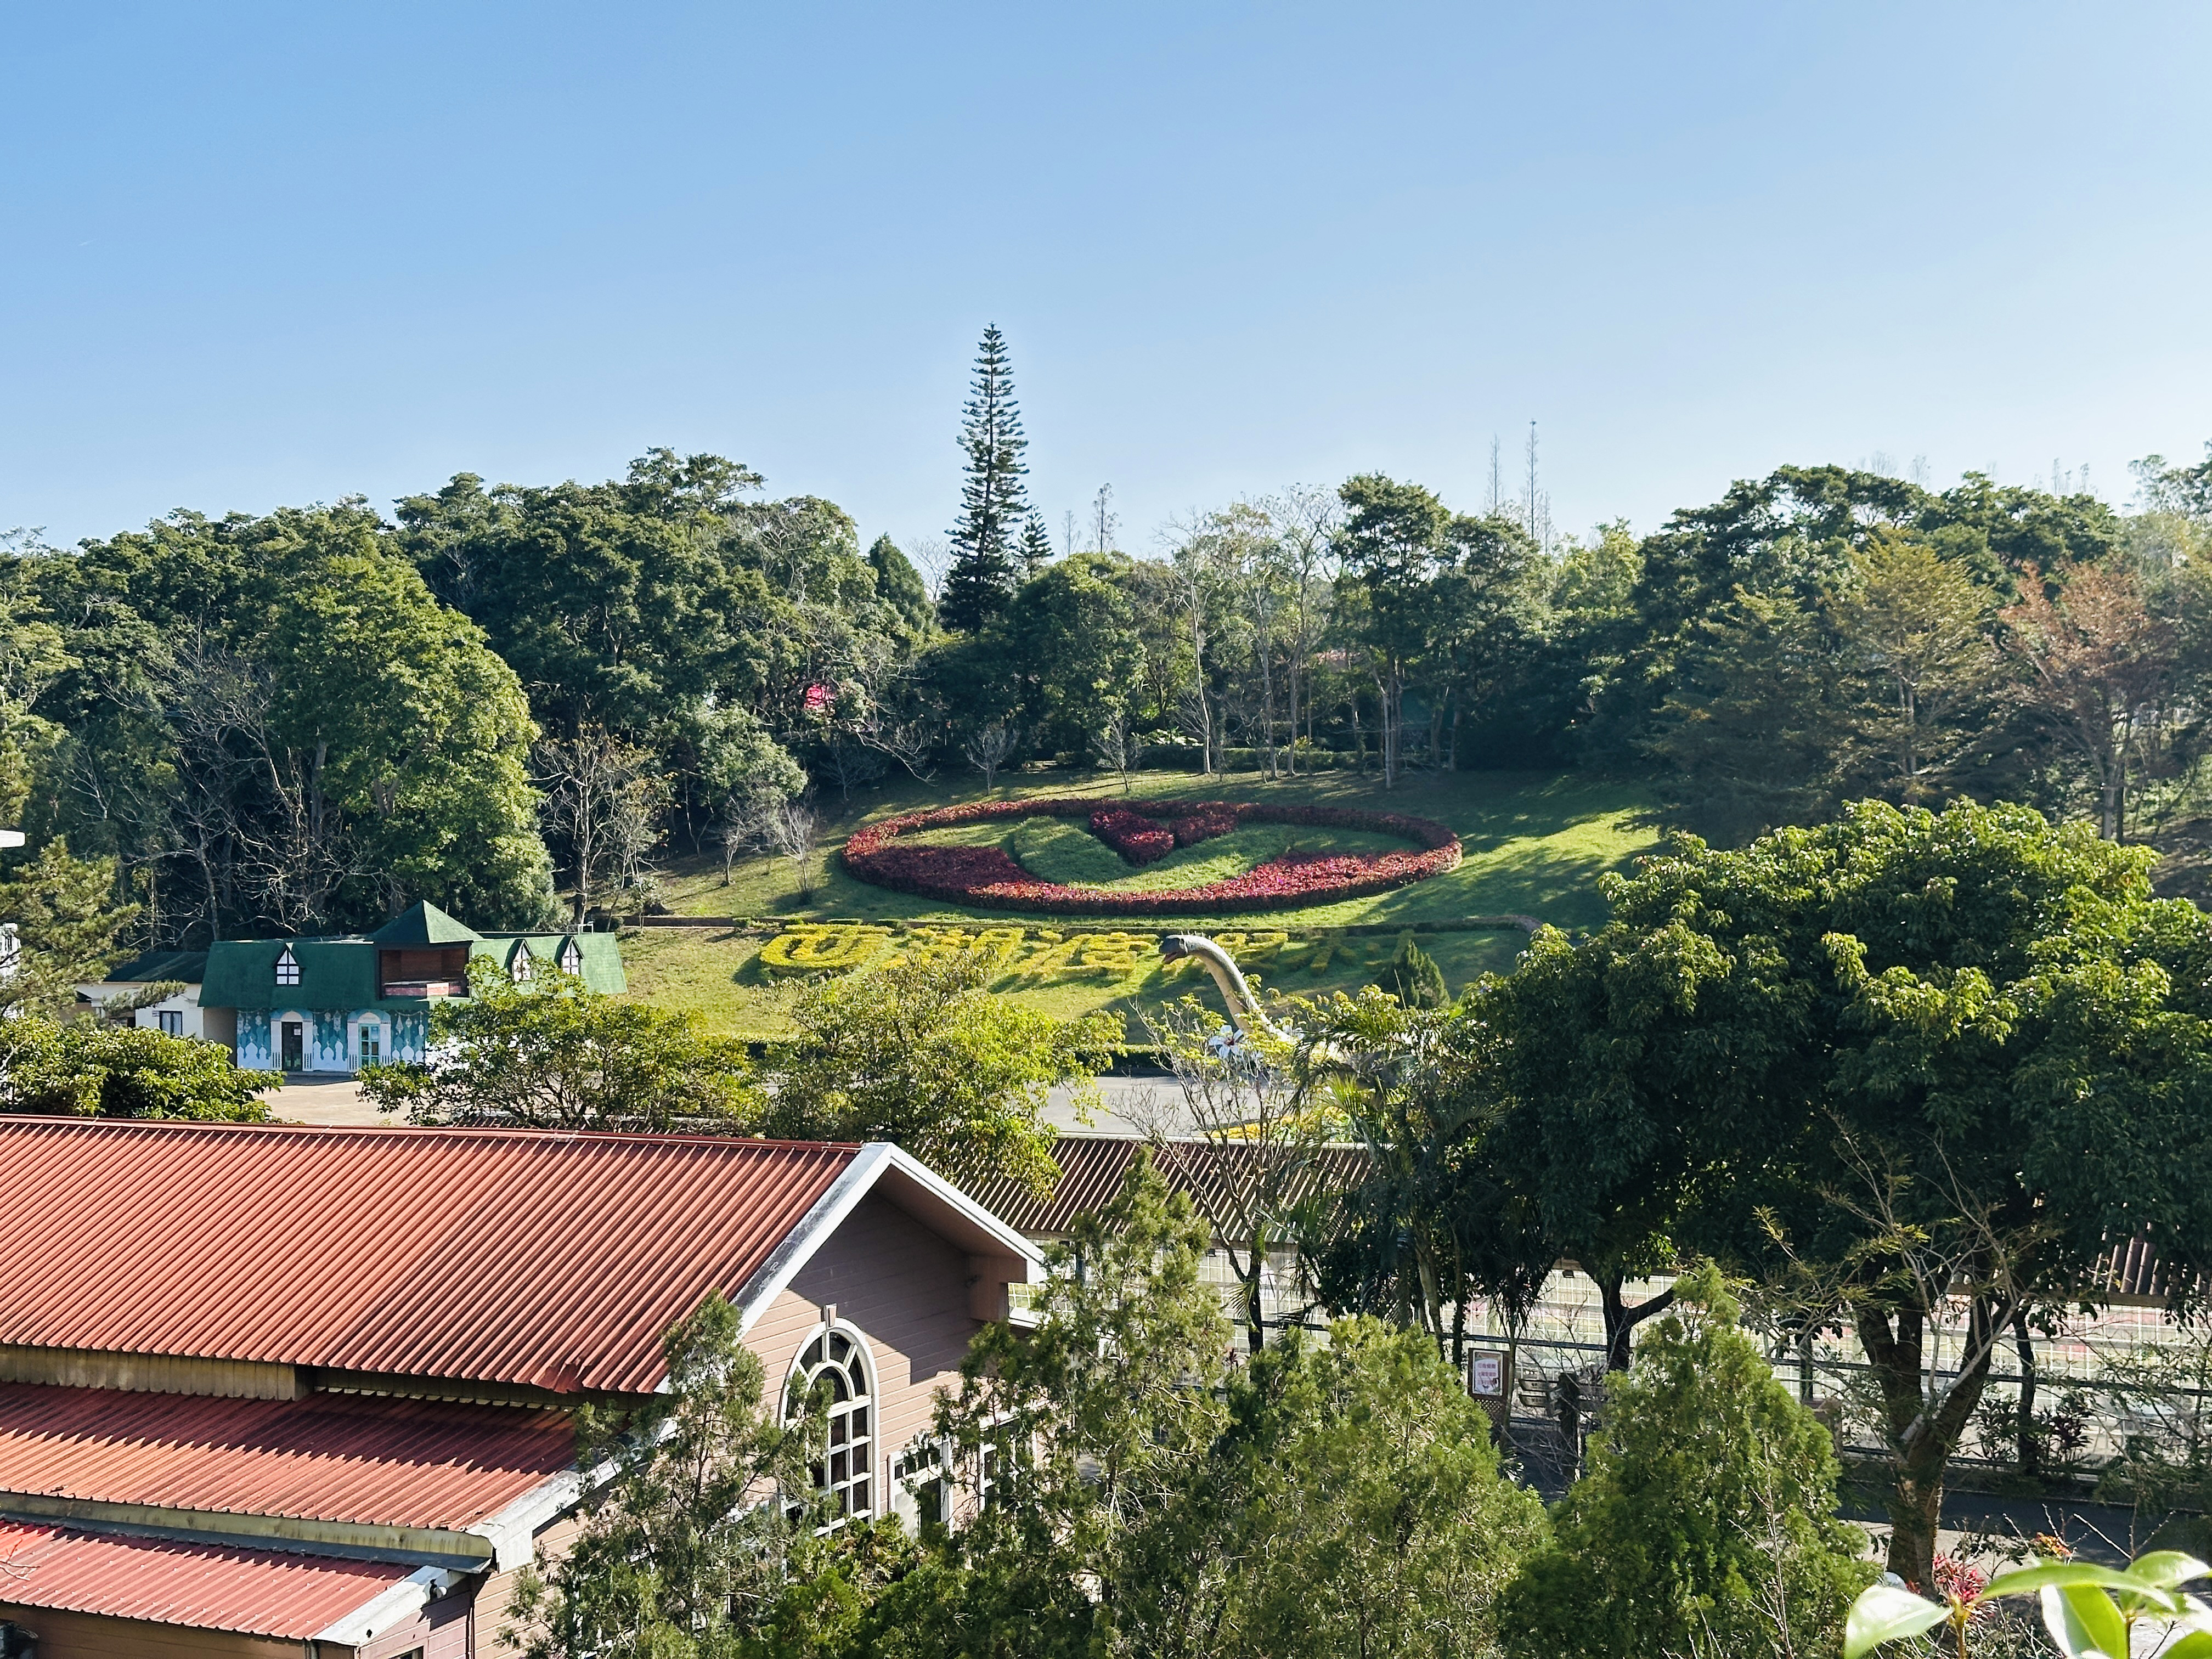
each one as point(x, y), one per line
point(2091, 1611)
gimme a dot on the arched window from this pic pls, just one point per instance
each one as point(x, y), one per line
point(519, 967)
point(835, 1372)
point(288, 966)
point(571, 958)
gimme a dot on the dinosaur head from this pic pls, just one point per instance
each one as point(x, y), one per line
point(1174, 947)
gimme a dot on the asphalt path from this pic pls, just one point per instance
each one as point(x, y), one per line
point(1127, 1105)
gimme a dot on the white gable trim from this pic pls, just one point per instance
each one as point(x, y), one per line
point(877, 1160)
point(401, 1600)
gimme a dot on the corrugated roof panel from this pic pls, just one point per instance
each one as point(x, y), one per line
point(208, 1586)
point(427, 1464)
point(1093, 1167)
point(530, 1257)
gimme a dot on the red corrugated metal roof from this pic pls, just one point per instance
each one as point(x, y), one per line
point(1093, 1167)
point(211, 1587)
point(329, 1458)
point(520, 1256)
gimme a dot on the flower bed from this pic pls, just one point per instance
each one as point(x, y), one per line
point(987, 877)
point(1132, 835)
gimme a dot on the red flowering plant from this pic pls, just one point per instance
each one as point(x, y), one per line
point(1132, 835)
point(986, 876)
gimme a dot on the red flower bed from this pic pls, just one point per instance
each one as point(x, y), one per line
point(1213, 818)
point(987, 877)
point(1132, 835)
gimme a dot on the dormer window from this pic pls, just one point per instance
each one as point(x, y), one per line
point(288, 966)
point(521, 966)
point(572, 956)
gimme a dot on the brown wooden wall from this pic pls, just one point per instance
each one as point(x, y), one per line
point(906, 1290)
point(87, 1636)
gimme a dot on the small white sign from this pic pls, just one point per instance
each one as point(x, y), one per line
point(1489, 1375)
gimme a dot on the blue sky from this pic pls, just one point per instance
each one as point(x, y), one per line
point(262, 254)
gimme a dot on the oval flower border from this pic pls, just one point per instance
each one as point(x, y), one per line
point(987, 876)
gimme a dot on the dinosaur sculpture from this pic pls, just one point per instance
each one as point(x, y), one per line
point(1243, 1007)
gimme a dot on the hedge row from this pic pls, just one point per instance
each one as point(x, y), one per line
point(987, 877)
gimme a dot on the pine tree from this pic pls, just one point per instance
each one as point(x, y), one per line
point(1037, 546)
point(992, 501)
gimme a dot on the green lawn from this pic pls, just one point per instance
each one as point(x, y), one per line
point(1535, 845)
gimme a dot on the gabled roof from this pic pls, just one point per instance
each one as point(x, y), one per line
point(187, 966)
point(341, 973)
point(423, 924)
point(525, 1257)
point(206, 1586)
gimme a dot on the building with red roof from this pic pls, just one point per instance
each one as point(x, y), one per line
point(274, 1390)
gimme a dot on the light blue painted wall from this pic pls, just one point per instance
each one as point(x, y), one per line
point(331, 1039)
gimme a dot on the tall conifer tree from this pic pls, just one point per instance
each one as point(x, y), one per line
point(993, 502)
point(1037, 545)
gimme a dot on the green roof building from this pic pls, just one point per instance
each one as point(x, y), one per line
point(334, 1005)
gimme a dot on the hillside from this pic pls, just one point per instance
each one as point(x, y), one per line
point(1534, 844)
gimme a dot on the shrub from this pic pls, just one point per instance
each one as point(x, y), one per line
point(1705, 1523)
point(987, 877)
point(1413, 977)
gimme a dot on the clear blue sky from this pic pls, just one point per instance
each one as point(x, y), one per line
point(266, 254)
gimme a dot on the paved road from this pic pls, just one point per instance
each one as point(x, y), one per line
point(1125, 1104)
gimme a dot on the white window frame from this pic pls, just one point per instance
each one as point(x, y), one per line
point(857, 1471)
point(370, 1030)
point(287, 968)
point(570, 960)
point(521, 967)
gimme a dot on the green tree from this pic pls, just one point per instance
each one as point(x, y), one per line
point(1394, 539)
point(403, 727)
point(922, 1054)
point(84, 1069)
point(1747, 735)
point(1375, 1518)
point(67, 925)
point(1412, 976)
point(678, 1557)
point(1918, 633)
point(553, 1053)
point(899, 585)
point(1069, 643)
point(1914, 1068)
point(1037, 545)
point(986, 559)
point(1705, 1526)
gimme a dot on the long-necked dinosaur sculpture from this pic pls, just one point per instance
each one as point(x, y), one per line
point(1243, 1007)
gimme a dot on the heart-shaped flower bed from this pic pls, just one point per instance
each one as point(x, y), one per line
point(987, 876)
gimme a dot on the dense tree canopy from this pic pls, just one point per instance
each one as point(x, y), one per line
point(1901, 1057)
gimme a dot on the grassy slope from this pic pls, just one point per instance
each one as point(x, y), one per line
point(1534, 844)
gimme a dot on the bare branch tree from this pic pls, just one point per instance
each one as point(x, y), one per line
point(604, 798)
point(988, 748)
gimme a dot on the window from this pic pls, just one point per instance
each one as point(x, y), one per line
point(519, 968)
point(371, 1042)
point(572, 957)
point(171, 1020)
point(835, 1373)
point(288, 966)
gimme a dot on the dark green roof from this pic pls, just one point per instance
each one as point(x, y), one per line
point(341, 972)
point(421, 924)
point(151, 965)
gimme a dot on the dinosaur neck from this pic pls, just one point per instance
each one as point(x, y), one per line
point(1235, 992)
